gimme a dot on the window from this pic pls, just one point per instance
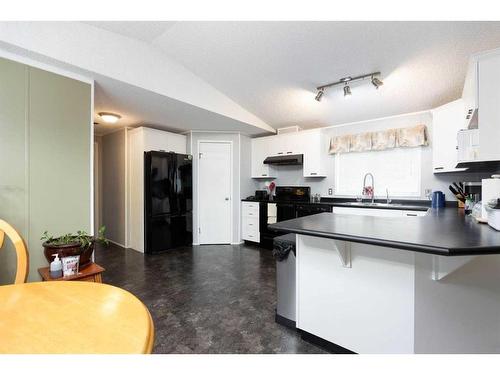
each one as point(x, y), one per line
point(397, 170)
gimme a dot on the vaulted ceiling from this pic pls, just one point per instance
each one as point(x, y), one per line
point(272, 68)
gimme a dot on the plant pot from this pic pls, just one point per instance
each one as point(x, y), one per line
point(69, 250)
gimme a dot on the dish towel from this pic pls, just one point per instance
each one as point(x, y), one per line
point(271, 213)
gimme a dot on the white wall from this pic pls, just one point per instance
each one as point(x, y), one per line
point(242, 183)
point(114, 186)
point(292, 175)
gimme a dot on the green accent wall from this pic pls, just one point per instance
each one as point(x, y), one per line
point(45, 158)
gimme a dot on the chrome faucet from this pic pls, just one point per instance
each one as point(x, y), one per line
point(369, 190)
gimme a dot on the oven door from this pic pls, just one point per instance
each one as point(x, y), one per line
point(285, 211)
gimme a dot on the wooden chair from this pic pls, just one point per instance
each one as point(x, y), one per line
point(21, 251)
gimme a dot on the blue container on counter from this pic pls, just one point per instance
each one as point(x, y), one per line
point(438, 199)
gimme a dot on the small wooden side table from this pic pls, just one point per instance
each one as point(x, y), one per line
point(92, 272)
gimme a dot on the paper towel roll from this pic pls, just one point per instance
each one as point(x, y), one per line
point(490, 189)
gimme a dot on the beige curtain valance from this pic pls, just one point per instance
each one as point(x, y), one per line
point(380, 140)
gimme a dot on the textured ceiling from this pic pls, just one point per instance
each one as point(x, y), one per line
point(272, 68)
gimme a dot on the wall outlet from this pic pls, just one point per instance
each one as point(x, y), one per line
point(330, 191)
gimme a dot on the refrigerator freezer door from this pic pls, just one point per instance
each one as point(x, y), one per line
point(168, 232)
point(161, 179)
point(183, 183)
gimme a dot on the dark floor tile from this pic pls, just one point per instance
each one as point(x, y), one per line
point(206, 299)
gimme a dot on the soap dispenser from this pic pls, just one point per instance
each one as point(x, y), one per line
point(56, 267)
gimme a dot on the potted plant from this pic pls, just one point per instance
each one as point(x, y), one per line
point(70, 244)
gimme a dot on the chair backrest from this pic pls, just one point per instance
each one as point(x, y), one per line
point(21, 251)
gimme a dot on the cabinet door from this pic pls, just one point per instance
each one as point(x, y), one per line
point(314, 153)
point(260, 151)
point(489, 108)
point(447, 120)
point(470, 94)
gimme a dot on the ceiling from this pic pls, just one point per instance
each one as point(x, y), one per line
point(139, 106)
point(272, 68)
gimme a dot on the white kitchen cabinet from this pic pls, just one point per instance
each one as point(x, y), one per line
point(489, 108)
point(141, 140)
point(309, 143)
point(470, 96)
point(447, 120)
point(314, 150)
point(286, 144)
point(261, 149)
point(250, 221)
point(481, 95)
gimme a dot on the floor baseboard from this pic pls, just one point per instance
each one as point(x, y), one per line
point(325, 344)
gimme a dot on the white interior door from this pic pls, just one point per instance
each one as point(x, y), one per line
point(214, 192)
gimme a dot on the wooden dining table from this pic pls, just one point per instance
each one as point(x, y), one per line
point(73, 317)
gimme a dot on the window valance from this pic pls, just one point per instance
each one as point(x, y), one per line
point(380, 140)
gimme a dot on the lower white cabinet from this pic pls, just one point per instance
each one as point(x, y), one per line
point(250, 221)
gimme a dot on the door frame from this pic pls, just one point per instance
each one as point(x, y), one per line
point(231, 224)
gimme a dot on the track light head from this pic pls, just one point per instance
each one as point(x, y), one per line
point(319, 95)
point(376, 82)
point(347, 91)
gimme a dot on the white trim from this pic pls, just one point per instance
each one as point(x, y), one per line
point(92, 192)
point(126, 197)
point(44, 66)
point(239, 188)
point(117, 243)
point(198, 186)
point(356, 122)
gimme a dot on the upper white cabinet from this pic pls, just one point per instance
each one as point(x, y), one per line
point(489, 107)
point(481, 96)
point(470, 96)
point(309, 143)
point(285, 144)
point(314, 150)
point(261, 149)
point(447, 120)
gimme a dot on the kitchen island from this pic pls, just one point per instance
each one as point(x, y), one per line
point(428, 284)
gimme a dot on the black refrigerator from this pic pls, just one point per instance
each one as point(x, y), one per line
point(168, 201)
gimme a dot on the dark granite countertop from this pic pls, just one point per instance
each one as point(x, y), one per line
point(413, 205)
point(445, 231)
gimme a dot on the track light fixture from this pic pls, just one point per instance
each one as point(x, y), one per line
point(346, 81)
point(319, 95)
point(376, 82)
point(347, 91)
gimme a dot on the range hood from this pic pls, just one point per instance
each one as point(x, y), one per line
point(480, 165)
point(297, 159)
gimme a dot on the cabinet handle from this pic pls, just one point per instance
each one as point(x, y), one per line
point(411, 215)
point(469, 111)
point(264, 174)
point(313, 173)
point(280, 153)
point(467, 117)
point(289, 152)
point(250, 225)
point(437, 168)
